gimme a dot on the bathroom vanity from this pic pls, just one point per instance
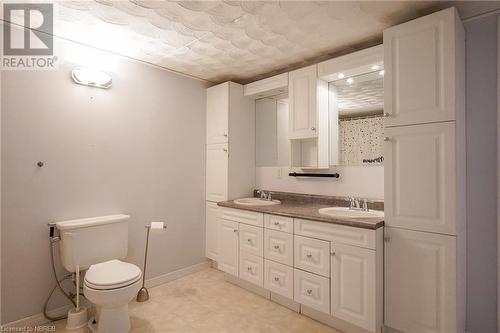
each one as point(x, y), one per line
point(327, 267)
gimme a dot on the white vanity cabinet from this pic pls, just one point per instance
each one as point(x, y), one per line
point(211, 230)
point(335, 270)
point(424, 175)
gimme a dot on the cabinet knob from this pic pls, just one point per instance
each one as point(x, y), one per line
point(309, 255)
point(332, 254)
point(387, 114)
point(387, 138)
point(387, 239)
point(225, 149)
point(249, 240)
point(249, 269)
point(313, 128)
point(309, 291)
point(276, 278)
point(225, 135)
point(235, 230)
point(276, 223)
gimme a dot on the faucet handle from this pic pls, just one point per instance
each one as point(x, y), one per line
point(269, 196)
point(365, 205)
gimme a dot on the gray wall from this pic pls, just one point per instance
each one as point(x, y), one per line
point(482, 200)
point(137, 148)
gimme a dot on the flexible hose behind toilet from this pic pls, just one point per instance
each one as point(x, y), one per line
point(58, 284)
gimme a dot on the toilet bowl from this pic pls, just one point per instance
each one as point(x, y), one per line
point(110, 286)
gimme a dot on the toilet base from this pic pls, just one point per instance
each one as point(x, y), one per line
point(110, 320)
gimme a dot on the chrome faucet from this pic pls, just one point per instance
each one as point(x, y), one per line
point(264, 195)
point(354, 204)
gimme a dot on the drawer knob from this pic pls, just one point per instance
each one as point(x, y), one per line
point(332, 254)
point(309, 291)
point(225, 135)
point(309, 255)
point(277, 223)
point(249, 269)
point(249, 240)
point(235, 230)
point(313, 128)
point(276, 278)
point(277, 247)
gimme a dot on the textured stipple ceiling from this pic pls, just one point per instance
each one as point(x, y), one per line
point(230, 40)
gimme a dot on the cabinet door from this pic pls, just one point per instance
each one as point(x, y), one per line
point(420, 281)
point(303, 103)
point(312, 255)
point(353, 280)
point(217, 169)
point(419, 170)
point(278, 278)
point(252, 239)
point(421, 69)
point(311, 290)
point(217, 113)
point(278, 246)
point(211, 230)
point(252, 268)
point(228, 247)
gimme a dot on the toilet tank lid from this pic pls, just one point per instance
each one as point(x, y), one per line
point(90, 221)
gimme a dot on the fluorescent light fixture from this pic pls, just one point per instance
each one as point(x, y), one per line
point(350, 80)
point(341, 75)
point(375, 67)
point(381, 73)
point(89, 77)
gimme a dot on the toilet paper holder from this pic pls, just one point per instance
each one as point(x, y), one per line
point(143, 294)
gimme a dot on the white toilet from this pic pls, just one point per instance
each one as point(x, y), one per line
point(96, 245)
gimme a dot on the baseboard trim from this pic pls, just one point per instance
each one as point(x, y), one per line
point(39, 319)
point(159, 280)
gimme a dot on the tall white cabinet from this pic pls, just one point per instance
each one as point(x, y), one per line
point(425, 175)
point(230, 155)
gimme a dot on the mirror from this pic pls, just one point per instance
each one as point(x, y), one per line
point(356, 114)
point(271, 131)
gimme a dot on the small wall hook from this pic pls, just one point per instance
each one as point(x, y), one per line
point(40, 164)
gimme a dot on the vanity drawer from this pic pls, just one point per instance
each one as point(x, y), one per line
point(278, 278)
point(312, 255)
point(335, 233)
point(312, 290)
point(252, 239)
point(252, 269)
point(281, 223)
point(278, 246)
point(243, 216)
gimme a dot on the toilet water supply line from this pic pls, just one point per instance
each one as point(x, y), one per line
point(53, 240)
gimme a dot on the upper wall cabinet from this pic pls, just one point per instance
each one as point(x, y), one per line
point(421, 67)
point(270, 86)
point(218, 113)
point(306, 96)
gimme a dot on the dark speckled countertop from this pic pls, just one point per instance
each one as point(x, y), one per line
point(306, 206)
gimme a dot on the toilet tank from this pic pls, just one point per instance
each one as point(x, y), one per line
point(89, 241)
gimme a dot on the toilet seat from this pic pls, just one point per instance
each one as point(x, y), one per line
point(112, 274)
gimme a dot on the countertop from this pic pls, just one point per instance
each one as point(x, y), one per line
point(308, 209)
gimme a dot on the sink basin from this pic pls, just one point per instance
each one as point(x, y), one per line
point(345, 212)
point(256, 202)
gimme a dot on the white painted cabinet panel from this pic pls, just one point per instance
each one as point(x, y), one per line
point(278, 278)
point(420, 281)
point(228, 247)
point(421, 69)
point(278, 246)
point(303, 103)
point(218, 113)
point(353, 285)
point(420, 182)
point(211, 230)
point(252, 268)
point(217, 171)
point(281, 223)
point(312, 255)
point(252, 239)
point(312, 290)
point(243, 216)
